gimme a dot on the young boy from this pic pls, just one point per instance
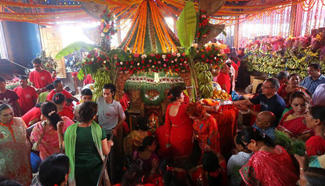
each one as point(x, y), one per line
point(264, 122)
point(86, 95)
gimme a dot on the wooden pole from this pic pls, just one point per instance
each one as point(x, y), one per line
point(236, 34)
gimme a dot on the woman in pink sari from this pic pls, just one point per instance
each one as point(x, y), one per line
point(44, 135)
point(293, 122)
point(270, 165)
point(14, 147)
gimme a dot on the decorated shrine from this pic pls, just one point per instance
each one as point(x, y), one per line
point(162, 92)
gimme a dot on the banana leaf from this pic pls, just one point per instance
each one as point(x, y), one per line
point(186, 25)
point(76, 46)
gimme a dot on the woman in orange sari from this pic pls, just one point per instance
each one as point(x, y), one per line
point(205, 127)
point(14, 147)
point(175, 136)
point(293, 122)
point(269, 165)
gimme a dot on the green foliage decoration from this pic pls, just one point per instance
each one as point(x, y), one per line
point(186, 25)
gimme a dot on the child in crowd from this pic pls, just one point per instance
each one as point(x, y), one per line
point(264, 122)
point(86, 95)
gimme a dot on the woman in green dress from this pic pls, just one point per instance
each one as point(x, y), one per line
point(85, 145)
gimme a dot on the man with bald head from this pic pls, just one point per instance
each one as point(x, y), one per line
point(264, 122)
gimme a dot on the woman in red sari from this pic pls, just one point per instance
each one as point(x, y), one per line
point(292, 86)
point(269, 165)
point(175, 136)
point(293, 121)
point(205, 127)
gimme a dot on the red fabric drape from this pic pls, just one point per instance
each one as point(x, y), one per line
point(227, 125)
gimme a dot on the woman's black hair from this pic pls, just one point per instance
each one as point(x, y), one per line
point(86, 92)
point(4, 107)
point(249, 133)
point(53, 170)
point(111, 87)
point(58, 98)
point(297, 94)
point(175, 92)
point(147, 141)
point(49, 110)
point(87, 111)
point(318, 112)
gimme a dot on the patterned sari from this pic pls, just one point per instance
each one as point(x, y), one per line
point(270, 169)
point(49, 144)
point(15, 152)
point(207, 133)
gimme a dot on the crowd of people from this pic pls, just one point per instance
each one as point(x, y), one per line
point(50, 138)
